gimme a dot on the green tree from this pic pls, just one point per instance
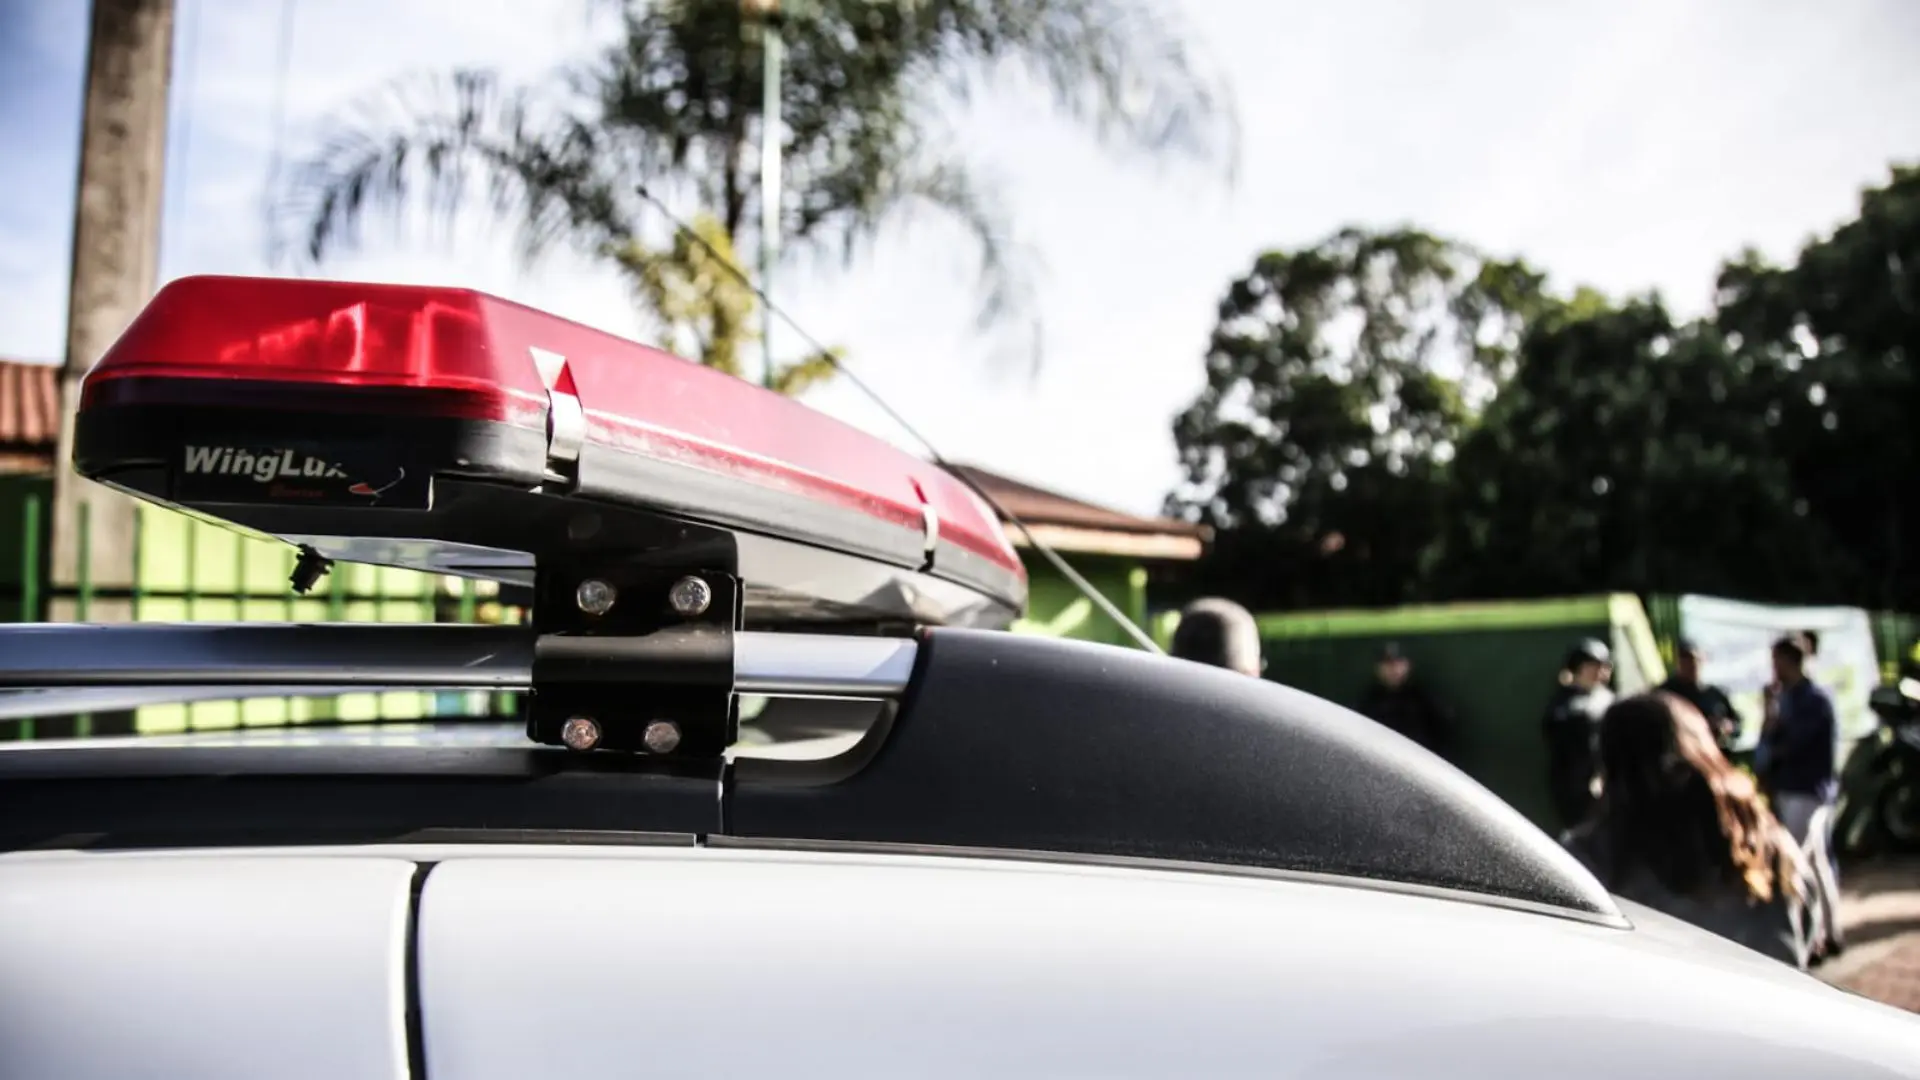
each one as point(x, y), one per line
point(675, 104)
point(1770, 451)
point(1339, 379)
point(702, 306)
point(1836, 337)
point(1627, 453)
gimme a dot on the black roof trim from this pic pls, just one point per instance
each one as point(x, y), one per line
point(1013, 742)
point(171, 796)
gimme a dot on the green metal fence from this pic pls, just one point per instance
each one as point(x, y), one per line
point(183, 569)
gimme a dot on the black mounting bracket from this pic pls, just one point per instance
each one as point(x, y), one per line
point(635, 654)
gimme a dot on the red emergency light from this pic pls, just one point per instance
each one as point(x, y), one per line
point(401, 425)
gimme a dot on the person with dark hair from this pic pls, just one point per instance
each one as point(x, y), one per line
point(1712, 701)
point(1220, 633)
point(1572, 728)
point(1394, 700)
point(1798, 766)
point(1679, 829)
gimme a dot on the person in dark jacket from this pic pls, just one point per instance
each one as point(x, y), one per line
point(1712, 701)
point(1219, 633)
point(1396, 701)
point(1679, 829)
point(1800, 771)
point(1572, 729)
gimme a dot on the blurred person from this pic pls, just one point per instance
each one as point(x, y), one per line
point(1712, 701)
point(1679, 829)
point(1396, 701)
point(1770, 694)
point(1798, 766)
point(1572, 729)
point(1219, 633)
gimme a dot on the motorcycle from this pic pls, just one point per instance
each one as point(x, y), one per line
point(1880, 787)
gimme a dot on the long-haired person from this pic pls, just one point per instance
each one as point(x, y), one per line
point(1679, 829)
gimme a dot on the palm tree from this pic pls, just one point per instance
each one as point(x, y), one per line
point(671, 114)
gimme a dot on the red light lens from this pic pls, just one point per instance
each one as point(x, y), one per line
point(278, 330)
point(460, 353)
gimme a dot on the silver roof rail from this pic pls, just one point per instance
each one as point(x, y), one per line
point(342, 657)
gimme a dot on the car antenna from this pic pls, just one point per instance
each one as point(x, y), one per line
point(1086, 589)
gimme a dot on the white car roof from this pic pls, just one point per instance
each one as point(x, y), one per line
point(689, 961)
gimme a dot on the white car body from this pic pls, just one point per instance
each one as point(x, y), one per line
point(572, 961)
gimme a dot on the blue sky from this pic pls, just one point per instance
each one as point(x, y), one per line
point(1628, 144)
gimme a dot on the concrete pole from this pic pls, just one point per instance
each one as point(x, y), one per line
point(116, 248)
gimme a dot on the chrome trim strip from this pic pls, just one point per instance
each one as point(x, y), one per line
point(277, 658)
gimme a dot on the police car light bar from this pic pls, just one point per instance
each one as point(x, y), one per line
point(657, 508)
point(449, 431)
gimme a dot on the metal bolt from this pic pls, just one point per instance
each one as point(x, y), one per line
point(661, 737)
point(690, 596)
point(595, 597)
point(580, 733)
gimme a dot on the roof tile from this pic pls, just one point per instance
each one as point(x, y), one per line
point(1038, 506)
point(29, 404)
point(29, 416)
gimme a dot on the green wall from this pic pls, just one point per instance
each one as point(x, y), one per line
point(1056, 609)
point(1494, 665)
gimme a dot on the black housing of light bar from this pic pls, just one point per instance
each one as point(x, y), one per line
point(477, 518)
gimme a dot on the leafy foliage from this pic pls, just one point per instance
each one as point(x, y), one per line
point(1628, 454)
point(1769, 451)
point(705, 307)
point(1338, 382)
point(1837, 338)
point(675, 105)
